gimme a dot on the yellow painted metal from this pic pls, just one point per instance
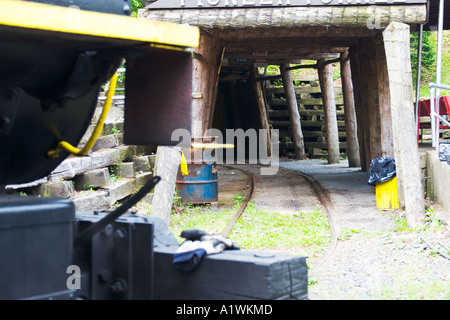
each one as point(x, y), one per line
point(37, 16)
point(386, 194)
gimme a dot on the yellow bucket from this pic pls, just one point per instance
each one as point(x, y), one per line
point(386, 194)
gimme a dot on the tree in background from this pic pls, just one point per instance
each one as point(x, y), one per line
point(428, 56)
point(135, 5)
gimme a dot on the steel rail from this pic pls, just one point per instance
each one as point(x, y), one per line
point(321, 194)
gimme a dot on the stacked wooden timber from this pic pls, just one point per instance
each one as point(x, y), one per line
point(309, 99)
point(108, 174)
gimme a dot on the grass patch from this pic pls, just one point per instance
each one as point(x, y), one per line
point(260, 229)
point(199, 217)
point(306, 233)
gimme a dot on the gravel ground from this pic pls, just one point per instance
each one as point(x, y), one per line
point(371, 259)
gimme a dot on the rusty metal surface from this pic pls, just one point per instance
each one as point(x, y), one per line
point(159, 97)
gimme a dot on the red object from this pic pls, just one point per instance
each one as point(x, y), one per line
point(424, 111)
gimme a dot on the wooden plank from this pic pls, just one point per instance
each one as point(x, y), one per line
point(306, 102)
point(303, 113)
point(231, 275)
point(318, 145)
point(305, 123)
point(302, 89)
point(313, 134)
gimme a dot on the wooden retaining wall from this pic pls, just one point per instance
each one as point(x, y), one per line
point(310, 104)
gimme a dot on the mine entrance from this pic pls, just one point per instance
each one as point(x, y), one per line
point(372, 42)
point(251, 91)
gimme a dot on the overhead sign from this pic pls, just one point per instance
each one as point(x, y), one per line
point(210, 4)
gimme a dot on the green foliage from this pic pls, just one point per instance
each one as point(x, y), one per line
point(257, 228)
point(428, 70)
point(428, 67)
point(135, 5)
point(428, 51)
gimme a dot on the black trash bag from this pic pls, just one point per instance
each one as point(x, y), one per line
point(381, 170)
point(444, 152)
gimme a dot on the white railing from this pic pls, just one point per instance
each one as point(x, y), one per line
point(436, 118)
point(115, 97)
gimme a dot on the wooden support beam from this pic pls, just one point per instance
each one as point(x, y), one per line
point(349, 112)
point(278, 76)
point(396, 43)
point(257, 88)
point(205, 83)
point(166, 166)
point(265, 18)
point(294, 114)
point(303, 66)
point(372, 106)
point(361, 119)
point(329, 108)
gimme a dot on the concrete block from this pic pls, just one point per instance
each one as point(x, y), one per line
point(60, 189)
point(141, 150)
point(119, 190)
point(438, 187)
point(115, 113)
point(142, 163)
point(124, 170)
point(92, 179)
point(108, 141)
point(91, 200)
point(109, 128)
point(67, 169)
point(127, 152)
point(142, 178)
point(119, 138)
point(422, 160)
point(104, 158)
point(71, 167)
point(35, 183)
point(152, 159)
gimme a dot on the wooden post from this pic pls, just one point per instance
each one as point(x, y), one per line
point(359, 106)
point(372, 98)
point(329, 109)
point(204, 84)
point(349, 112)
point(396, 43)
point(294, 114)
point(167, 163)
point(257, 88)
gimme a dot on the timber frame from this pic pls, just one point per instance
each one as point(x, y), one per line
point(371, 43)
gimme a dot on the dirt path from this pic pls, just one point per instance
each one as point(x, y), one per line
point(371, 259)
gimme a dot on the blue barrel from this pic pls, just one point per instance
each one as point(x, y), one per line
point(201, 184)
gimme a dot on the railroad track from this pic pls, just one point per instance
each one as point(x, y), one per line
point(320, 192)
